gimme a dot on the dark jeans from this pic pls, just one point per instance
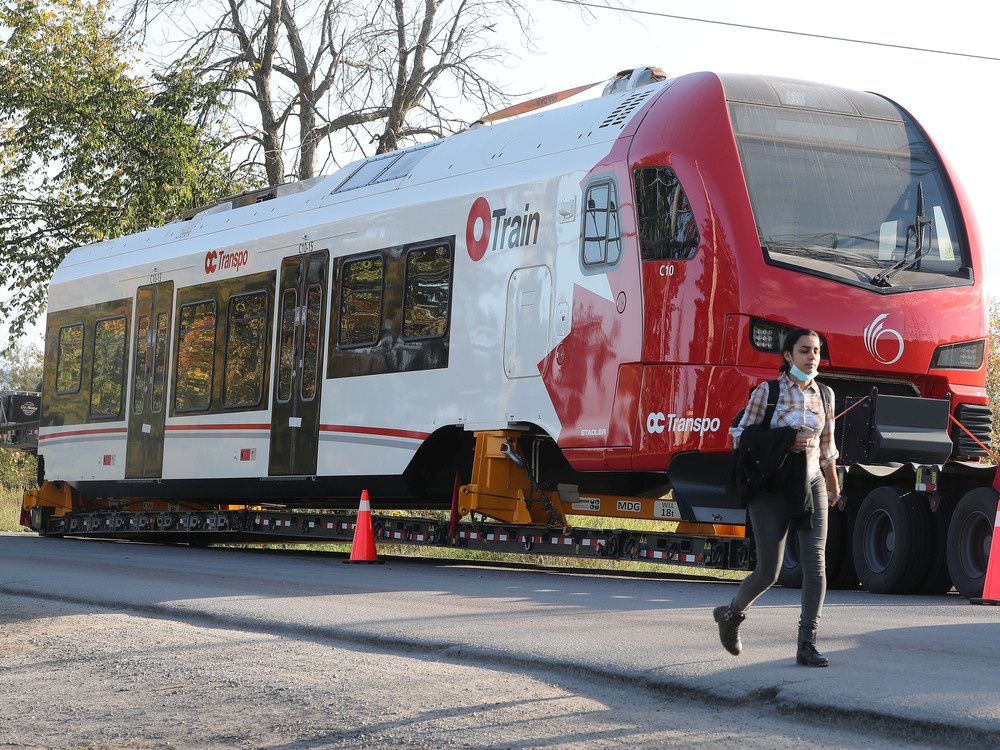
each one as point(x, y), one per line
point(771, 519)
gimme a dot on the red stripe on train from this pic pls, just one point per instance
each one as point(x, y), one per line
point(218, 426)
point(387, 431)
point(103, 431)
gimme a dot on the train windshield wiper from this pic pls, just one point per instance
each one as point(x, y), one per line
point(851, 261)
point(916, 230)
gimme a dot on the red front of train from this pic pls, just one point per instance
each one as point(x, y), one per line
point(762, 205)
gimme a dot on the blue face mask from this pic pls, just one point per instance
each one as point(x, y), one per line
point(798, 374)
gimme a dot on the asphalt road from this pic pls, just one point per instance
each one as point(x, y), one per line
point(905, 669)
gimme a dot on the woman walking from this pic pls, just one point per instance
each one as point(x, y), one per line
point(805, 407)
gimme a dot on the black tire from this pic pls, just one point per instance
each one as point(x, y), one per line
point(938, 578)
point(839, 554)
point(970, 535)
point(790, 575)
point(892, 541)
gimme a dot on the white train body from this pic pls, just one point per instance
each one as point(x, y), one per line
point(500, 326)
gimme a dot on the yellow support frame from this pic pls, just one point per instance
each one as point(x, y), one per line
point(500, 489)
point(57, 496)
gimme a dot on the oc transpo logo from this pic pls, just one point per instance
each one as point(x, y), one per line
point(219, 260)
point(875, 332)
point(658, 422)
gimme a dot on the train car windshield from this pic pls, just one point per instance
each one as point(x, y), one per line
point(859, 199)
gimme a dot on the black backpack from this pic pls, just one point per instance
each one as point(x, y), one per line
point(772, 402)
point(745, 480)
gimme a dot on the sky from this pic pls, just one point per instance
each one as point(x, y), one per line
point(954, 98)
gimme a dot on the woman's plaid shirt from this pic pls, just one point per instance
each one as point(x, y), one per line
point(795, 408)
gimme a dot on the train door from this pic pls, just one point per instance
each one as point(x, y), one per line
point(147, 406)
point(299, 364)
point(526, 328)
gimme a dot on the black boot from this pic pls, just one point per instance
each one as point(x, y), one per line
point(807, 654)
point(729, 628)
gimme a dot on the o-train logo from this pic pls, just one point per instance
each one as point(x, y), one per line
point(506, 231)
point(219, 260)
point(875, 331)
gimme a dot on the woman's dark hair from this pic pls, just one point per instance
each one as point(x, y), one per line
point(791, 340)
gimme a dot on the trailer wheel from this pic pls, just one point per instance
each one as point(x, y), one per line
point(892, 538)
point(970, 535)
point(839, 558)
point(839, 565)
point(790, 575)
point(938, 579)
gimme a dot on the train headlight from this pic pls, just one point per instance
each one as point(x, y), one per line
point(965, 356)
point(767, 336)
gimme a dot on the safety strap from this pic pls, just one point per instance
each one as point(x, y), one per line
point(977, 440)
point(961, 426)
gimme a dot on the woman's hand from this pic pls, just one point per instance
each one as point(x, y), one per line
point(832, 490)
point(832, 483)
point(801, 441)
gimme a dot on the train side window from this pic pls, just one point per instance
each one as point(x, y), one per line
point(311, 343)
point(667, 227)
point(159, 363)
point(427, 292)
point(286, 345)
point(246, 334)
point(195, 357)
point(69, 362)
point(361, 292)
point(140, 372)
point(109, 368)
point(602, 236)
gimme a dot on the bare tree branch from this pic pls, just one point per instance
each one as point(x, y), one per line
point(388, 72)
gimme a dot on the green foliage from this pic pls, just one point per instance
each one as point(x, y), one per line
point(90, 151)
point(21, 367)
point(993, 370)
point(20, 370)
point(10, 510)
point(18, 471)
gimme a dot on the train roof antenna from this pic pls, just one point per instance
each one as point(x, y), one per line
point(532, 104)
point(623, 80)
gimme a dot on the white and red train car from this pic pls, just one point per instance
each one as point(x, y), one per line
point(610, 278)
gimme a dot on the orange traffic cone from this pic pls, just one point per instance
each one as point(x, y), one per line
point(363, 547)
point(991, 587)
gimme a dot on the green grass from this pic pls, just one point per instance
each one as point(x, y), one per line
point(584, 563)
point(482, 556)
point(10, 509)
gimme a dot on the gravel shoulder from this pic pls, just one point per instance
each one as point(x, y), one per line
point(905, 669)
point(106, 679)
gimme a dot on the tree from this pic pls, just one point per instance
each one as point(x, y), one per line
point(384, 73)
point(993, 370)
point(21, 367)
point(20, 370)
point(88, 149)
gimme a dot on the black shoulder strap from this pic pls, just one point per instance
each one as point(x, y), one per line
point(828, 399)
point(772, 402)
